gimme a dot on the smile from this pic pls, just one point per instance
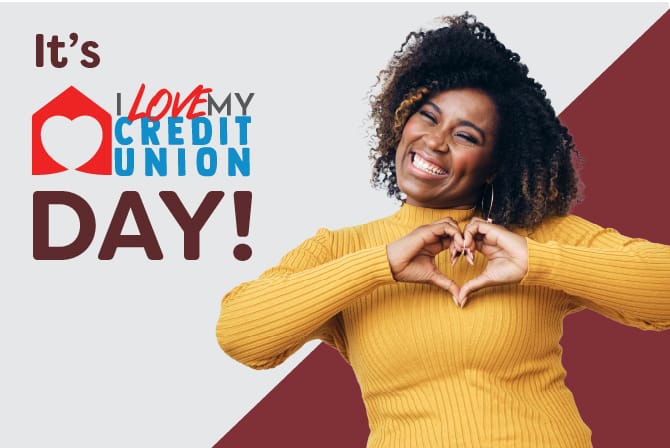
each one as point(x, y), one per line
point(426, 166)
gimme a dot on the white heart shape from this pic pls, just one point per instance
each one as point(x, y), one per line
point(71, 142)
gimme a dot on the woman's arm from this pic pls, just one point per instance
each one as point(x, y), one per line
point(623, 278)
point(264, 321)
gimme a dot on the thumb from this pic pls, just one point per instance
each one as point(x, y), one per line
point(447, 284)
point(471, 286)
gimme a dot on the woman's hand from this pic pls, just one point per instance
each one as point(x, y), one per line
point(505, 251)
point(412, 257)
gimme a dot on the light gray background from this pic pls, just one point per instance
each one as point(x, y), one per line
point(122, 352)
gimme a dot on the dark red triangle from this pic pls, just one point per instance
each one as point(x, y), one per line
point(621, 124)
point(318, 404)
point(620, 376)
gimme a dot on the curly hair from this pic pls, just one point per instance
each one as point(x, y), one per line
point(534, 153)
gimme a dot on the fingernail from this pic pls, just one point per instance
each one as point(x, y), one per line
point(470, 257)
point(455, 300)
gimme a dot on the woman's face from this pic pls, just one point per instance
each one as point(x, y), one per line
point(445, 154)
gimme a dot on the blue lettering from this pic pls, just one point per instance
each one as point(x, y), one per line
point(201, 130)
point(150, 131)
point(118, 131)
point(181, 161)
point(208, 153)
point(152, 163)
point(243, 122)
point(243, 165)
point(174, 131)
point(118, 161)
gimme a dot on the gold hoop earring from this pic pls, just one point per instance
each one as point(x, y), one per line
point(488, 213)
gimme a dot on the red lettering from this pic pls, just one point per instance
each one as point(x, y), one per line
point(196, 98)
point(133, 115)
point(192, 100)
point(155, 100)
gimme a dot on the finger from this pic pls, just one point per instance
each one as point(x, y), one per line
point(448, 233)
point(454, 238)
point(453, 231)
point(475, 227)
point(458, 252)
point(447, 284)
point(456, 248)
point(443, 227)
point(422, 237)
point(471, 286)
point(457, 237)
point(470, 239)
point(455, 251)
point(470, 256)
point(468, 234)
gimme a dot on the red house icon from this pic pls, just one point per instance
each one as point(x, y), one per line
point(71, 103)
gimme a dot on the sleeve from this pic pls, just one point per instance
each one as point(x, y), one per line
point(625, 279)
point(263, 322)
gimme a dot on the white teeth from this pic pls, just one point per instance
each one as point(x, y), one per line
point(426, 166)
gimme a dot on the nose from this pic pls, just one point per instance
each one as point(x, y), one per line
point(436, 141)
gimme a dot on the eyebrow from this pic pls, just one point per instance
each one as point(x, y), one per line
point(460, 122)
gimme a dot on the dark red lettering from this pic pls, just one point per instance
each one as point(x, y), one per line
point(42, 250)
point(130, 201)
point(191, 225)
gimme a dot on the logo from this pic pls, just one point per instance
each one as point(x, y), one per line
point(72, 132)
point(166, 134)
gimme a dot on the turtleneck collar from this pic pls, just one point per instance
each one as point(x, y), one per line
point(413, 215)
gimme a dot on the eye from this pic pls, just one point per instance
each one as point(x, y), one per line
point(467, 137)
point(429, 115)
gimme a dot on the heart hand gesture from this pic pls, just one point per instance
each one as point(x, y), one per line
point(412, 257)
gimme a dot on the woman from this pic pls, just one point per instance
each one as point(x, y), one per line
point(483, 167)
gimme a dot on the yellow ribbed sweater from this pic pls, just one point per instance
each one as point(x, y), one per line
point(432, 374)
